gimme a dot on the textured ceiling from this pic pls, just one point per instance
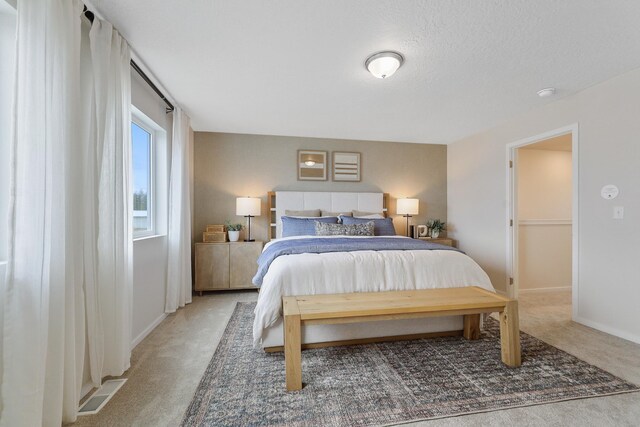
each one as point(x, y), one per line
point(296, 67)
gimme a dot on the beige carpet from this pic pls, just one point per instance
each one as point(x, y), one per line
point(168, 365)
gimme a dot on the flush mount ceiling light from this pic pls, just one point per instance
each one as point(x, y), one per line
point(384, 64)
point(546, 92)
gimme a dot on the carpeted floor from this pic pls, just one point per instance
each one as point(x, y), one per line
point(385, 383)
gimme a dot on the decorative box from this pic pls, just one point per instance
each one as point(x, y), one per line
point(214, 237)
point(215, 229)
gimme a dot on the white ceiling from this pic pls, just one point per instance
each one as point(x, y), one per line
point(296, 67)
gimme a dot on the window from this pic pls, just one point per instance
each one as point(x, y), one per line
point(149, 167)
point(143, 183)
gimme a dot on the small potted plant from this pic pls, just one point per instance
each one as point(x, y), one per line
point(437, 227)
point(234, 231)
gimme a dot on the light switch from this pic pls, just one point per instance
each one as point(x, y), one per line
point(618, 212)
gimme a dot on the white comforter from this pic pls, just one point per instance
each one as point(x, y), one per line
point(360, 271)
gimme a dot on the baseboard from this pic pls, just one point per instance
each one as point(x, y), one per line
point(147, 330)
point(554, 289)
point(607, 329)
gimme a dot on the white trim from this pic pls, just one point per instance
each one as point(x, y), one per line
point(147, 330)
point(607, 329)
point(544, 222)
point(551, 289)
point(152, 236)
point(512, 201)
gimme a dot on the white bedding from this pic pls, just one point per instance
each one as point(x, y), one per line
point(360, 271)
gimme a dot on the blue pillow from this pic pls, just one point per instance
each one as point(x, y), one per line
point(303, 226)
point(382, 227)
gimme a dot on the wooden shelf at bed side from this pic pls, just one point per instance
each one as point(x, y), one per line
point(271, 203)
point(439, 240)
point(226, 266)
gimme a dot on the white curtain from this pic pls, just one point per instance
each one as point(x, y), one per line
point(179, 237)
point(43, 339)
point(69, 273)
point(109, 282)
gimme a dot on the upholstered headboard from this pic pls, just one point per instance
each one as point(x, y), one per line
point(280, 201)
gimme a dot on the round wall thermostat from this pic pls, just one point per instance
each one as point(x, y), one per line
point(609, 192)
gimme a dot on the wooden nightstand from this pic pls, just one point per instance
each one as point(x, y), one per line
point(439, 240)
point(226, 266)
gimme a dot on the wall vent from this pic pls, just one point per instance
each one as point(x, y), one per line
point(101, 396)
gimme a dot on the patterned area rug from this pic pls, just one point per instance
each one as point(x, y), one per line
point(385, 383)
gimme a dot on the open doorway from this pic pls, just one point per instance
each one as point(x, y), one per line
point(542, 203)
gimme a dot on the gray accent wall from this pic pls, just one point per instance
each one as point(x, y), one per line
point(227, 166)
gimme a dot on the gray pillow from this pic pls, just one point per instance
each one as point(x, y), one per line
point(325, 229)
point(361, 214)
point(309, 213)
point(325, 213)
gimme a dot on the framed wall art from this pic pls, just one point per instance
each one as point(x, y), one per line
point(312, 165)
point(346, 166)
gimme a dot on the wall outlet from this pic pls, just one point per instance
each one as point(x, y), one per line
point(618, 212)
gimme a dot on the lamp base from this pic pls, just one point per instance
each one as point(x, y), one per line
point(249, 240)
point(407, 216)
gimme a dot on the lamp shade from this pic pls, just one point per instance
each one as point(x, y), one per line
point(407, 206)
point(248, 206)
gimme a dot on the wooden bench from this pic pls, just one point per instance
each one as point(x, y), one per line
point(368, 306)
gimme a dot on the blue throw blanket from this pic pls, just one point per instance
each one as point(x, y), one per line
point(339, 244)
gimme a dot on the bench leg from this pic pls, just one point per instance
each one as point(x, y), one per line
point(292, 352)
point(510, 335)
point(471, 329)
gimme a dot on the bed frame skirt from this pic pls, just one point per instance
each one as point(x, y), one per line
point(273, 337)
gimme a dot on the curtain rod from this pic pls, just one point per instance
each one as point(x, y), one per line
point(90, 16)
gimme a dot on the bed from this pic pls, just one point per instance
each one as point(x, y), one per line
point(309, 265)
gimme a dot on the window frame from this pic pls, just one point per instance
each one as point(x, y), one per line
point(146, 124)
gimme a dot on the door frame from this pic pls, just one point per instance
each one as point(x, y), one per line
point(512, 279)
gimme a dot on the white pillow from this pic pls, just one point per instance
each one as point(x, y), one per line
point(312, 213)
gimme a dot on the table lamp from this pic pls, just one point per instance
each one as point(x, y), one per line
point(248, 207)
point(407, 208)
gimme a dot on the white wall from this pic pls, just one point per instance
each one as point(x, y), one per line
point(608, 115)
point(544, 218)
point(150, 254)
